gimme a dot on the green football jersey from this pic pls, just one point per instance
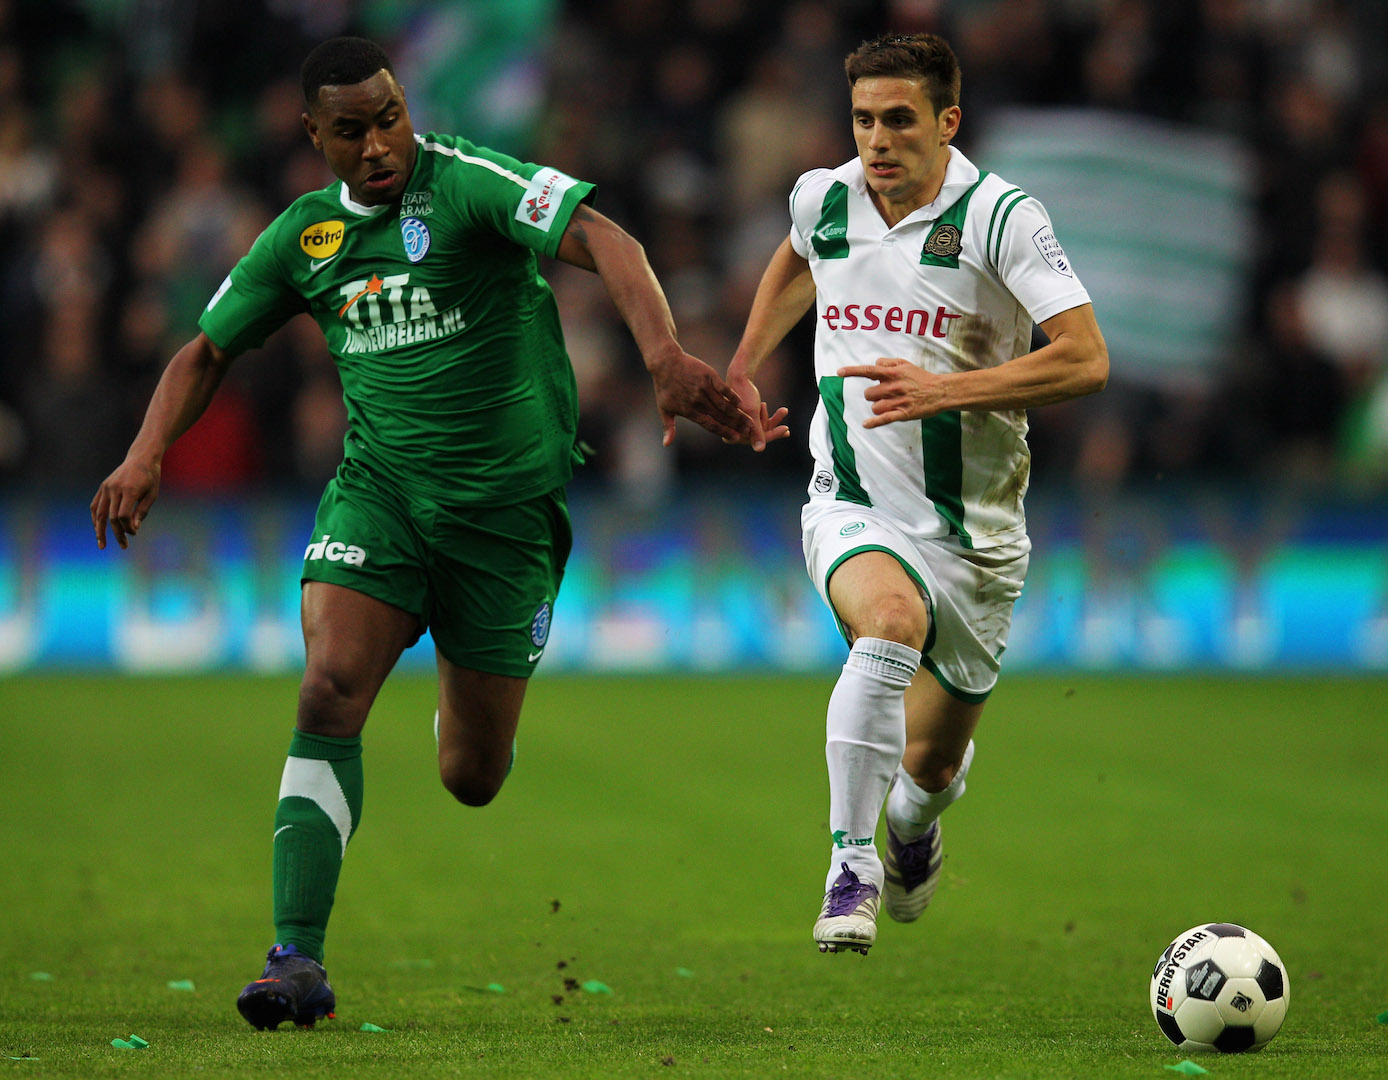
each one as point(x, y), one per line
point(446, 338)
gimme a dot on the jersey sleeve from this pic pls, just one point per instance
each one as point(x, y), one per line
point(528, 204)
point(800, 229)
point(254, 300)
point(1032, 264)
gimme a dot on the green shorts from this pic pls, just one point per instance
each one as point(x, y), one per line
point(483, 580)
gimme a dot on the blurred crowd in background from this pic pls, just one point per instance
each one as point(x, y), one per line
point(144, 144)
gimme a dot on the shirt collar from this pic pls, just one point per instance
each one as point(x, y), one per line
point(345, 197)
point(960, 175)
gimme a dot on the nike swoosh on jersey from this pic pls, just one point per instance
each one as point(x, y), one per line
point(317, 264)
point(535, 656)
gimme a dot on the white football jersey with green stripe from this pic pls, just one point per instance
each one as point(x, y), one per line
point(954, 286)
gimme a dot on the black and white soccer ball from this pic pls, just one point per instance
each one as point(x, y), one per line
point(1219, 986)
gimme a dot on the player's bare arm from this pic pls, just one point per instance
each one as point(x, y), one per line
point(1074, 363)
point(684, 385)
point(187, 385)
point(784, 294)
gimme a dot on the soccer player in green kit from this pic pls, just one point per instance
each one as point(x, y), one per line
point(448, 509)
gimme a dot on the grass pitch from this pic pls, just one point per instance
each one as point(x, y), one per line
point(664, 840)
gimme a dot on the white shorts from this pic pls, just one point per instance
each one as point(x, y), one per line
point(969, 593)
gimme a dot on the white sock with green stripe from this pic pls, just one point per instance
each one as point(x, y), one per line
point(865, 737)
point(911, 810)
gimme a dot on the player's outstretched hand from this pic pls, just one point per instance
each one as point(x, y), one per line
point(902, 391)
point(686, 386)
point(749, 398)
point(123, 500)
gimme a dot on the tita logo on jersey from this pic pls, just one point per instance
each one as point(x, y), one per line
point(379, 315)
point(894, 320)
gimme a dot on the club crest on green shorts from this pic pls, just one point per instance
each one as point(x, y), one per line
point(539, 625)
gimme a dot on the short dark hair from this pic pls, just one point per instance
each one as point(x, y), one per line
point(927, 57)
point(341, 61)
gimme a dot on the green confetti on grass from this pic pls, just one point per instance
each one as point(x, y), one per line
point(137, 1042)
point(373, 1027)
point(1382, 1018)
point(121, 1044)
point(592, 986)
point(684, 973)
point(40, 976)
point(21, 1057)
point(181, 984)
point(490, 988)
point(1188, 1068)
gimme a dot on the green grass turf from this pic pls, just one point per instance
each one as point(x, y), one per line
point(666, 837)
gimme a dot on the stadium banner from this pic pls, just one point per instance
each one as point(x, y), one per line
point(1158, 218)
point(700, 585)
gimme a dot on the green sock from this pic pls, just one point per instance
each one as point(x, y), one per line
point(319, 808)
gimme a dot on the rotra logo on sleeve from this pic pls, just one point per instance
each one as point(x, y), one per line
point(335, 551)
point(322, 239)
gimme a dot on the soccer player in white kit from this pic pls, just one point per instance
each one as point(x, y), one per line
point(927, 274)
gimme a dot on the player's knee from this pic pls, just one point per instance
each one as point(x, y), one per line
point(899, 618)
point(470, 785)
point(932, 767)
point(328, 706)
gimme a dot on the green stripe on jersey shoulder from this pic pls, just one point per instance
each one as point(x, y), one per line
point(845, 460)
point(830, 236)
point(996, 226)
point(945, 241)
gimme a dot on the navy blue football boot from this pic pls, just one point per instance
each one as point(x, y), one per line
point(293, 987)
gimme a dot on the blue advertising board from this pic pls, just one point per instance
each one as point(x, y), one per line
point(705, 586)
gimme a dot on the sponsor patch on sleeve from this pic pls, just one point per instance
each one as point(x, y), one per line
point(543, 197)
point(221, 291)
point(322, 239)
point(1051, 251)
